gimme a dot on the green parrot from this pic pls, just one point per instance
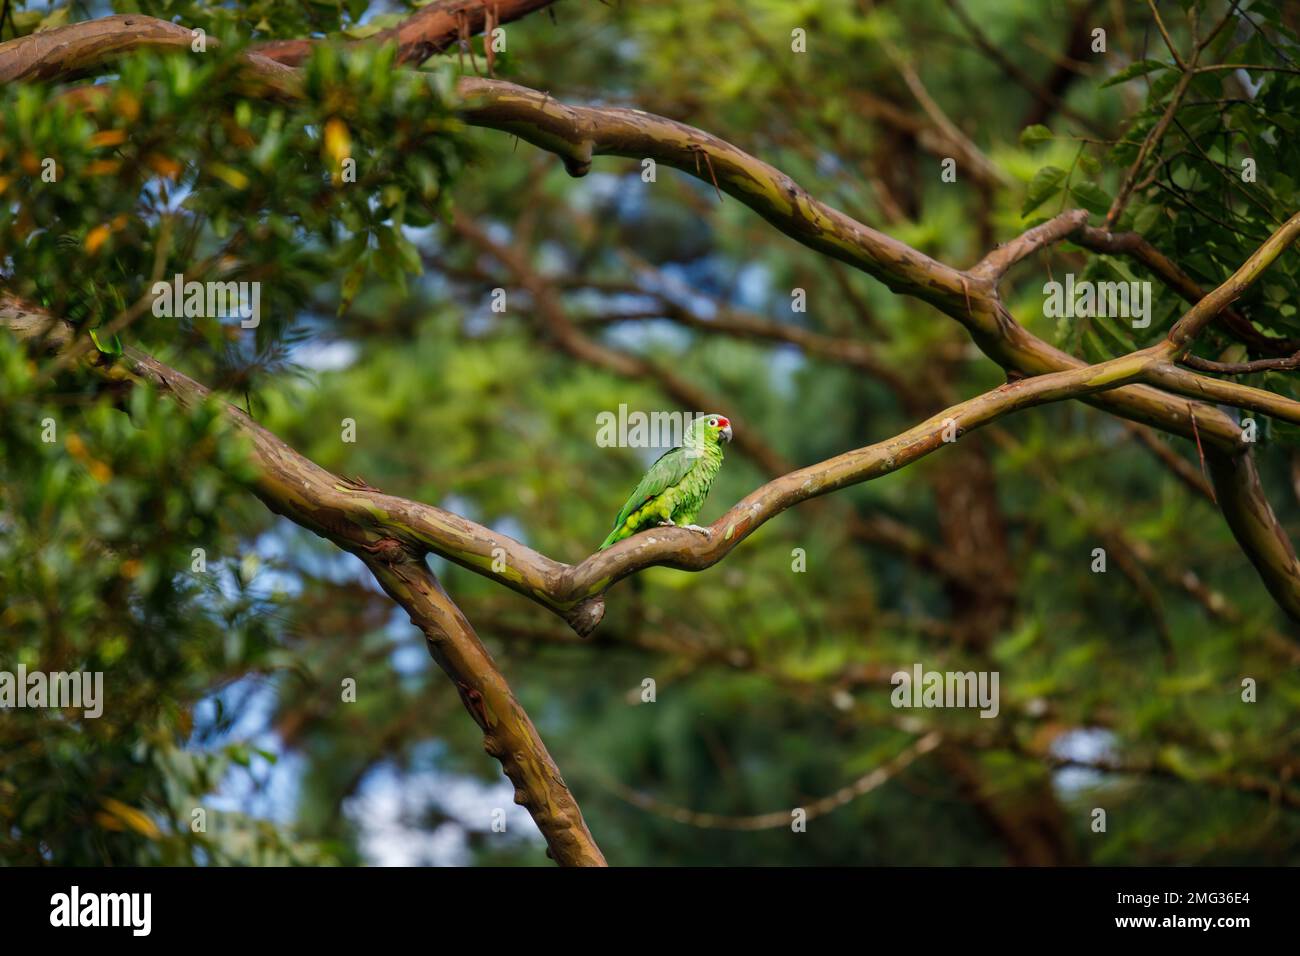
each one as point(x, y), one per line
point(673, 490)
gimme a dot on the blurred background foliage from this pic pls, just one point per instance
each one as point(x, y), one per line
point(1119, 690)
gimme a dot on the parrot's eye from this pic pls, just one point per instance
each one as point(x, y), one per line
point(713, 423)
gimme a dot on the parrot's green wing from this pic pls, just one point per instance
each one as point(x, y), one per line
point(671, 468)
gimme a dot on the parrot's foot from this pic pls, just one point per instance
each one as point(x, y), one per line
point(669, 523)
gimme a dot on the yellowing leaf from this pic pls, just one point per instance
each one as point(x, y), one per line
point(164, 165)
point(108, 137)
point(126, 105)
point(232, 177)
point(96, 238)
point(103, 167)
point(338, 141)
point(131, 817)
point(76, 447)
point(54, 19)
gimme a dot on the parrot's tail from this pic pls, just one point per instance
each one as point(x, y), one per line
point(614, 535)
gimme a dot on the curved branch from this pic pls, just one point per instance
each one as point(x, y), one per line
point(68, 52)
point(550, 312)
point(781, 818)
point(1244, 505)
point(426, 32)
point(1288, 364)
point(1184, 382)
point(578, 133)
point(995, 265)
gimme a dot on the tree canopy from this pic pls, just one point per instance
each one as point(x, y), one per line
point(329, 543)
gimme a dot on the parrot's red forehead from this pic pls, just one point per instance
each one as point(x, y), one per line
point(723, 422)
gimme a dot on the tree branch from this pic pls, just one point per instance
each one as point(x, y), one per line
point(508, 733)
point(1288, 364)
point(1184, 382)
point(426, 32)
point(577, 134)
point(781, 818)
point(995, 265)
point(1153, 138)
point(72, 51)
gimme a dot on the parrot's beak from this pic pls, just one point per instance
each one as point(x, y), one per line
point(725, 432)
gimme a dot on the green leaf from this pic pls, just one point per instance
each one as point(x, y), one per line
point(1033, 135)
point(1045, 184)
point(56, 18)
point(352, 280)
point(361, 31)
point(1091, 196)
point(114, 349)
point(1133, 70)
point(1106, 324)
point(1146, 218)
